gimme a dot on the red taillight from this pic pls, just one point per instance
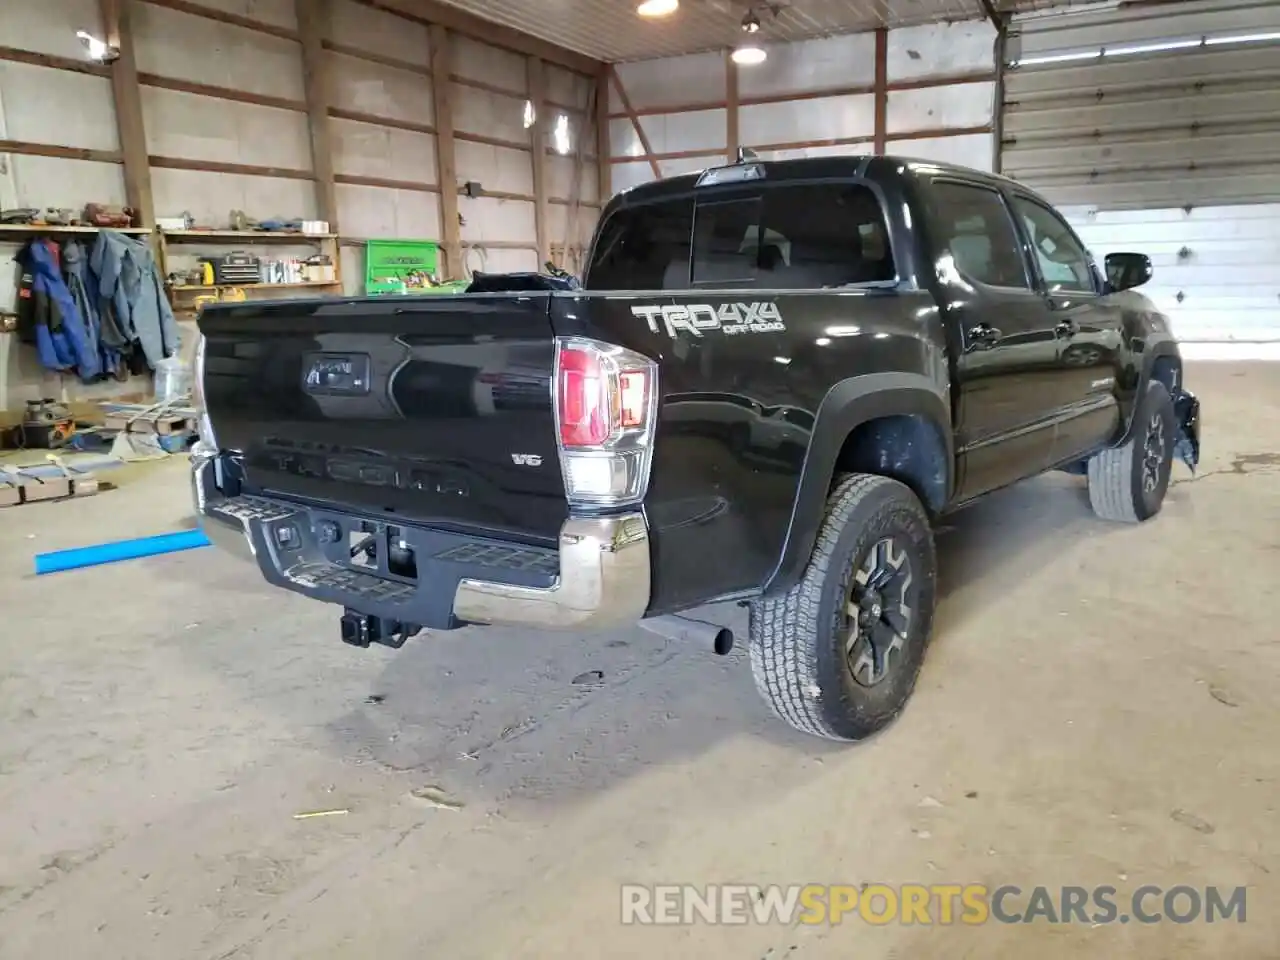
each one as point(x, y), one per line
point(583, 398)
point(606, 406)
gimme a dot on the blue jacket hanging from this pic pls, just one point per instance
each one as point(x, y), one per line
point(83, 285)
point(63, 342)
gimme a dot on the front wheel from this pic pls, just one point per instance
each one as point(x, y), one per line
point(838, 654)
point(1128, 483)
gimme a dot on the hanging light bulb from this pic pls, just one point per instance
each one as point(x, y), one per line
point(658, 8)
point(749, 56)
point(751, 22)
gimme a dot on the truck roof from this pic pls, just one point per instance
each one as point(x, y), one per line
point(809, 168)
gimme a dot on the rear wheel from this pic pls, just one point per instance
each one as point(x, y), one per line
point(838, 654)
point(1128, 483)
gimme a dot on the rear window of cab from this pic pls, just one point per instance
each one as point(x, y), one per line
point(798, 236)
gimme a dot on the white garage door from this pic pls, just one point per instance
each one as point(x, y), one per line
point(1156, 128)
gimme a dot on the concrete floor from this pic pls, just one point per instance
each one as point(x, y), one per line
point(1099, 707)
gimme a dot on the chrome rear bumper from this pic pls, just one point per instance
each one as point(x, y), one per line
point(602, 578)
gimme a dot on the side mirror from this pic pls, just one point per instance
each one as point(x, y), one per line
point(1127, 270)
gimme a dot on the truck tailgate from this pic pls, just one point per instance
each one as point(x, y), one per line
point(435, 410)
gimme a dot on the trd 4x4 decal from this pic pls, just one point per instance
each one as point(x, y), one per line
point(699, 318)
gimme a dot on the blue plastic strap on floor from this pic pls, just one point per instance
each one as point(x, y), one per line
point(60, 560)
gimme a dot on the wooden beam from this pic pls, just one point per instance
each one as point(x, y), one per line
point(566, 202)
point(491, 141)
point(917, 134)
point(604, 169)
point(997, 124)
point(388, 184)
point(381, 59)
point(502, 195)
point(218, 166)
point(380, 121)
point(820, 93)
point(937, 133)
point(220, 93)
point(446, 156)
point(235, 19)
point(538, 138)
point(117, 25)
point(732, 140)
point(499, 89)
point(500, 245)
point(572, 218)
point(439, 14)
point(635, 122)
point(62, 153)
point(315, 23)
point(14, 55)
point(881, 90)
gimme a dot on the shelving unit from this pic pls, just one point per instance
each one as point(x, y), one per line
point(244, 236)
point(206, 287)
point(184, 297)
point(19, 230)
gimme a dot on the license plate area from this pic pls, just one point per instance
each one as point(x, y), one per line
point(381, 549)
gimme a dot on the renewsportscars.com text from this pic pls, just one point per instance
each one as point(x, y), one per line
point(927, 904)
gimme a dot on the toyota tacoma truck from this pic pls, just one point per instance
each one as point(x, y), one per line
point(770, 382)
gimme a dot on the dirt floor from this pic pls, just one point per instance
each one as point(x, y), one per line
point(1099, 708)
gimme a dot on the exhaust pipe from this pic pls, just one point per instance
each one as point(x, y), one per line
point(686, 629)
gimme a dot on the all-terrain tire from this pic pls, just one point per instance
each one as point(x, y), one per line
point(797, 639)
point(1117, 476)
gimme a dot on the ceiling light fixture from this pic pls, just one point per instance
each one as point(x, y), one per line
point(749, 56)
point(97, 49)
point(658, 8)
point(751, 22)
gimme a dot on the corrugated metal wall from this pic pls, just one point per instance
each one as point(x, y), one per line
point(1156, 127)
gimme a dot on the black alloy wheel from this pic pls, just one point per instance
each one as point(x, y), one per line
point(1154, 453)
point(880, 607)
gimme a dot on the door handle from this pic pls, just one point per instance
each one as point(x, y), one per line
point(983, 336)
point(1065, 328)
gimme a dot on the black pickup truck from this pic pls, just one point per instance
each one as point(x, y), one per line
point(772, 380)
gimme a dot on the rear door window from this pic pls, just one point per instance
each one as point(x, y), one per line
point(975, 226)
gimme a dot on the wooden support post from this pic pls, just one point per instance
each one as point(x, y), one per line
point(537, 83)
point(314, 26)
point(604, 144)
point(446, 157)
point(881, 90)
point(571, 249)
point(117, 26)
point(733, 139)
point(635, 122)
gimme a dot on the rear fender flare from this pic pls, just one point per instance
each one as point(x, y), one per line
point(846, 406)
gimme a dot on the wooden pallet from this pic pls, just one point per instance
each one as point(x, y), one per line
point(161, 419)
point(32, 484)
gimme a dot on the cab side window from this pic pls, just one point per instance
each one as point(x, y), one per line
point(1064, 264)
point(975, 227)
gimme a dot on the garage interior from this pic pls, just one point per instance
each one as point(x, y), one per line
point(1094, 708)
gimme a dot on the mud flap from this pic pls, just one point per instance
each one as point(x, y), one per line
point(1186, 411)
